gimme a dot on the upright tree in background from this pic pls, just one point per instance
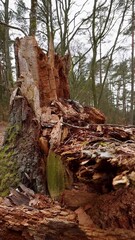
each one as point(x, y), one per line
point(97, 35)
point(55, 17)
point(79, 89)
point(62, 11)
point(120, 80)
point(33, 18)
point(20, 15)
point(6, 79)
point(130, 31)
point(46, 19)
point(9, 78)
point(133, 67)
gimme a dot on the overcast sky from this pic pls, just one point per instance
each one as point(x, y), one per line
point(83, 38)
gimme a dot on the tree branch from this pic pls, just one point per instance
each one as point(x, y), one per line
point(10, 26)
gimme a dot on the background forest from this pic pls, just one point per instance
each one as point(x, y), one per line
point(99, 37)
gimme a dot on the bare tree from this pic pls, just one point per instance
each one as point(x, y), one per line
point(133, 67)
point(99, 33)
point(7, 45)
point(58, 21)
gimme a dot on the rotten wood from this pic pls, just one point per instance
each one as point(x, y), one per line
point(26, 215)
point(43, 224)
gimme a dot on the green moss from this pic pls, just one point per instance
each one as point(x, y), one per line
point(8, 171)
point(8, 166)
point(12, 132)
point(4, 193)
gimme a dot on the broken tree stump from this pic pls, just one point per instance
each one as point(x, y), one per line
point(38, 107)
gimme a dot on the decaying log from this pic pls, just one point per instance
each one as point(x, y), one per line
point(22, 224)
point(26, 215)
point(39, 225)
point(59, 148)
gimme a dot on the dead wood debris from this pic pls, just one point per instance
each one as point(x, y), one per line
point(99, 160)
point(98, 154)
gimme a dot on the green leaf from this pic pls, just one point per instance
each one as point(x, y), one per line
point(55, 175)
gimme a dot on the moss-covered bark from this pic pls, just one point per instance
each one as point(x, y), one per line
point(8, 165)
point(20, 155)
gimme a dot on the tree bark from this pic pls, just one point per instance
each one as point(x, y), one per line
point(8, 73)
point(21, 223)
point(33, 18)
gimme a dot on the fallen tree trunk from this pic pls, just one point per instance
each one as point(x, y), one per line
point(37, 225)
point(40, 218)
point(26, 215)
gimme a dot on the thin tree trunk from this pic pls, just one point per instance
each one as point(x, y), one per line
point(133, 68)
point(33, 18)
point(7, 53)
